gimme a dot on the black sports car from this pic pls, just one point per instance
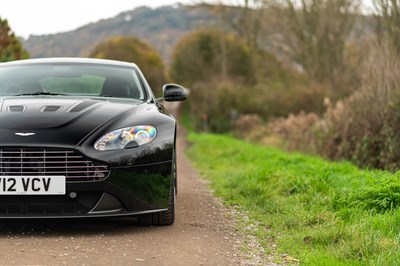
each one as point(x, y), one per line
point(85, 138)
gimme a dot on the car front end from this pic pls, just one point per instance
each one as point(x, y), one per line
point(85, 155)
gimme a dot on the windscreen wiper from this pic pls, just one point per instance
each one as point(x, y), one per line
point(39, 93)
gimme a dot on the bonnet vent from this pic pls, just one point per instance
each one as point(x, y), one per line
point(16, 108)
point(83, 105)
point(51, 108)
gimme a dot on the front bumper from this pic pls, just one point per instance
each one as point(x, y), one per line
point(126, 191)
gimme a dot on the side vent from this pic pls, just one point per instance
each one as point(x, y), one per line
point(50, 108)
point(83, 105)
point(16, 108)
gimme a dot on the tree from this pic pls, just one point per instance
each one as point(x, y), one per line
point(388, 22)
point(244, 17)
point(131, 49)
point(208, 55)
point(314, 36)
point(10, 47)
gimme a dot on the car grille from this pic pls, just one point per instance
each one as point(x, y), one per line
point(50, 162)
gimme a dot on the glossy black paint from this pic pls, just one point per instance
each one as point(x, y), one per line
point(174, 92)
point(140, 177)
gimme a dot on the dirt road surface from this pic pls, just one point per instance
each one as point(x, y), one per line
point(201, 235)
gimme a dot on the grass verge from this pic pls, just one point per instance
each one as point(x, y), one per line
point(314, 211)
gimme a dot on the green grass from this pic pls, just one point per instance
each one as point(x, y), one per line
point(319, 212)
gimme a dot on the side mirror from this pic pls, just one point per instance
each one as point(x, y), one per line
point(174, 93)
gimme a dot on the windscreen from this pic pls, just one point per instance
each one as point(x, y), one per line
point(71, 79)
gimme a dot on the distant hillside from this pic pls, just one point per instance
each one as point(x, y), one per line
point(161, 27)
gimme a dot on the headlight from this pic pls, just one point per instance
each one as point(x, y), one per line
point(120, 138)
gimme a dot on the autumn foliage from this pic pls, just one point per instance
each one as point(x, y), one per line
point(320, 77)
point(209, 55)
point(10, 47)
point(133, 50)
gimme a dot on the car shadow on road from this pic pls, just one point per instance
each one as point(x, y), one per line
point(72, 227)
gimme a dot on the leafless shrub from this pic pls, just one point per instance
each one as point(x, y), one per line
point(247, 126)
point(297, 130)
point(364, 127)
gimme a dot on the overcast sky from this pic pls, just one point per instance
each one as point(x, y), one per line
point(28, 17)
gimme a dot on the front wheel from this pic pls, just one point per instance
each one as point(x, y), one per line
point(161, 218)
